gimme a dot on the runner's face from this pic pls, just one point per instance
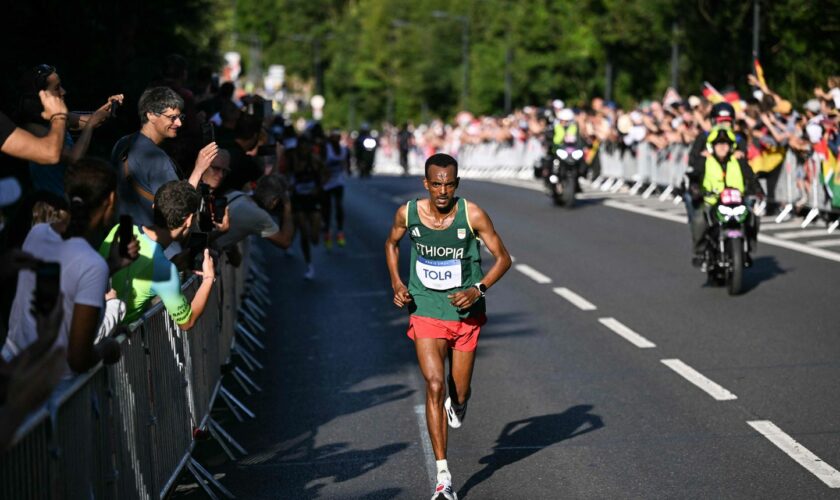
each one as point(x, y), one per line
point(441, 184)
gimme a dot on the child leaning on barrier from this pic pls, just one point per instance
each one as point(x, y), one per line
point(152, 274)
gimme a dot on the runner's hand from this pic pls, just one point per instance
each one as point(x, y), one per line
point(465, 298)
point(401, 295)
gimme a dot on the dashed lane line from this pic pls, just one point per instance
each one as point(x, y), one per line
point(533, 274)
point(812, 463)
point(575, 299)
point(711, 388)
point(628, 334)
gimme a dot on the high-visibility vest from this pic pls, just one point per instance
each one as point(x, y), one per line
point(560, 133)
point(714, 181)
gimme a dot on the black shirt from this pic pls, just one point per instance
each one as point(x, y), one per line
point(7, 126)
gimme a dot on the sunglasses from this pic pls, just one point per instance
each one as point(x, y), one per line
point(172, 118)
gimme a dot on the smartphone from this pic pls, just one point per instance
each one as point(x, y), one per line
point(219, 205)
point(47, 286)
point(115, 104)
point(126, 234)
point(208, 133)
point(198, 242)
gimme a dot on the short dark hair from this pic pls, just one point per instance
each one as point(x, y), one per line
point(157, 100)
point(174, 202)
point(441, 160)
point(269, 188)
point(87, 183)
point(247, 127)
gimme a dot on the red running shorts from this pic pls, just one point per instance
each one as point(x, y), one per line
point(460, 335)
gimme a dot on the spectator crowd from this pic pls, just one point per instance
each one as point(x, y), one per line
point(89, 244)
point(767, 124)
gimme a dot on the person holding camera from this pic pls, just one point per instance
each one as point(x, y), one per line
point(251, 215)
point(142, 165)
point(50, 177)
point(152, 274)
point(71, 271)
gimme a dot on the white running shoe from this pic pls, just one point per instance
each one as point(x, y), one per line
point(454, 413)
point(310, 272)
point(443, 490)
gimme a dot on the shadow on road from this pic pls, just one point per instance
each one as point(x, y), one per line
point(764, 268)
point(523, 438)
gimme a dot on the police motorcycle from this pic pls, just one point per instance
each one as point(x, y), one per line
point(365, 151)
point(561, 181)
point(727, 249)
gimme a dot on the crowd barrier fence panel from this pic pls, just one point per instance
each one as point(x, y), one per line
point(126, 430)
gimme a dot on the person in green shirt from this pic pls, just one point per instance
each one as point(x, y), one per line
point(445, 296)
point(152, 274)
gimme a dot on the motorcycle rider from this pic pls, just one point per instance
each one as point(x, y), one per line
point(364, 149)
point(565, 126)
point(719, 167)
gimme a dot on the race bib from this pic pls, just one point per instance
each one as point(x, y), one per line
point(439, 274)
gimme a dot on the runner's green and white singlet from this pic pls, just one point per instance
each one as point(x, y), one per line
point(443, 261)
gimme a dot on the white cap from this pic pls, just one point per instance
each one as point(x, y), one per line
point(9, 191)
point(566, 115)
point(558, 104)
point(814, 131)
point(812, 105)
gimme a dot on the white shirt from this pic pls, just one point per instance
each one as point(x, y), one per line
point(84, 281)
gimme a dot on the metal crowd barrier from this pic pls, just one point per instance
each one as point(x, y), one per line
point(126, 430)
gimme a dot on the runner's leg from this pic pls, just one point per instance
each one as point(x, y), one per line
point(460, 375)
point(326, 210)
point(431, 354)
point(338, 193)
point(303, 228)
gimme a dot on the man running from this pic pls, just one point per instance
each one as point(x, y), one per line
point(445, 295)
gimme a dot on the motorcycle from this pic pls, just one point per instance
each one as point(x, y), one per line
point(727, 249)
point(561, 172)
point(366, 154)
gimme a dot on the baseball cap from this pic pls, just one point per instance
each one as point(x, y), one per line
point(812, 105)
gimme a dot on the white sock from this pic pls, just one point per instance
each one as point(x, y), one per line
point(443, 469)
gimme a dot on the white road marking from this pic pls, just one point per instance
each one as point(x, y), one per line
point(628, 334)
point(426, 441)
point(712, 389)
point(575, 299)
point(533, 273)
point(770, 240)
point(644, 211)
point(799, 247)
point(825, 243)
point(824, 472)
point(770, 224)
point(802, 233)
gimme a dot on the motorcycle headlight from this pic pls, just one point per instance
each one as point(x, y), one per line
point(562, 153)
point(740, 213)
point(553, 179)
point(369, 143)
point(577, 154)
point(724, 210)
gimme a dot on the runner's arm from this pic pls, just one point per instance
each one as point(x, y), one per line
point(392, 257)
point(483, 226)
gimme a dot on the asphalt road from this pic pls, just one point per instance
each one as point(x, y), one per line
point(566, 404)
